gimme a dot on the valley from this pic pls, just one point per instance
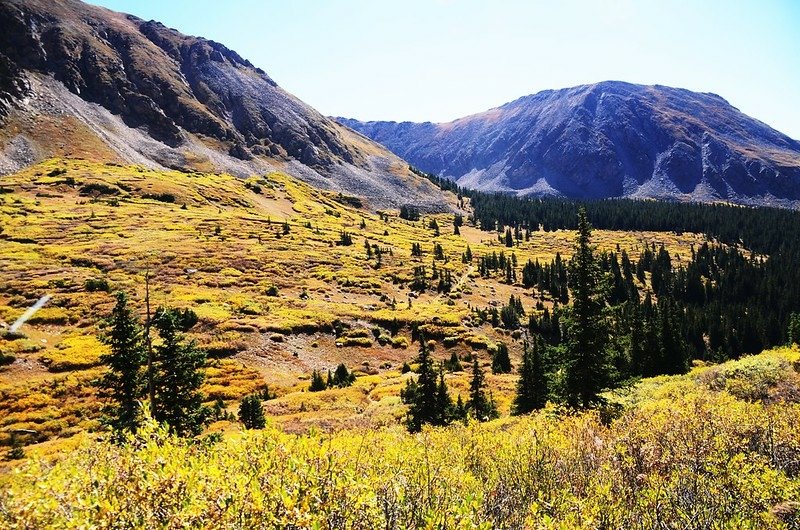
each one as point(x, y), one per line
point(221, 308)
point(218, 245)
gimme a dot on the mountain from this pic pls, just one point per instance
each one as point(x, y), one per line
point(610, 139)
point(81, 81)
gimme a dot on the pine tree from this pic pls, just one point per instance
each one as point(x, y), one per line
point(17, 451)
point(178, 376)
point(453, 364)
point(123, 384)
point(251, 413)
point(317, 383)
point(444, 404)
point(481, 407)
point(673, 350)
point(532, 384)
point(501, 362)
point(460, 410)
point(342, 377)
point(422, 394)
point(587, 367)
point(794, 328)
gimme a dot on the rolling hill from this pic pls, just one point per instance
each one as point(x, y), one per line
point(609, 139)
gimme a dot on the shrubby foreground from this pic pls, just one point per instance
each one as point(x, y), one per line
point(717, 448)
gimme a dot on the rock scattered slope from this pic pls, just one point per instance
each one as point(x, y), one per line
point(80, 80)
point(610, 139)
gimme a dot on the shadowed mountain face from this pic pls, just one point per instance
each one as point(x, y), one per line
point(80, 80)
point(610, 139)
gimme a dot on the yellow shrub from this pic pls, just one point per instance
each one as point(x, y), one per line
point(74, 353)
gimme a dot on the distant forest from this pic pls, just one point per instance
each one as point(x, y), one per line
point(735, 294)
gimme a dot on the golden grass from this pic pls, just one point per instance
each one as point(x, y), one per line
point(217, 244)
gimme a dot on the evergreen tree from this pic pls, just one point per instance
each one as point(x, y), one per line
point(409, 212)
point(794, 328)
point(218, 410)
point(501, 362)
point(317, 383)
point(532, 384)
point(420, 280)
point(672, 347)
point(460, 410)
point(509, 316)
point(342, 377)
point(453, 364)
point(422, 394)
point(444, 404)
point(123, 383)
point(251, 413)
point(587, 367)
point(345, 239)
point(509, 239)
point(178, 376)
point(482, 408)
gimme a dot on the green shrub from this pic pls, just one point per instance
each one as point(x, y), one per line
point(96, 284)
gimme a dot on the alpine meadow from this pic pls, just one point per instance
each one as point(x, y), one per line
point(222, 309)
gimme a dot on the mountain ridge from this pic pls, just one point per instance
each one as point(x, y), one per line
point(114, 86)
point(607, 139)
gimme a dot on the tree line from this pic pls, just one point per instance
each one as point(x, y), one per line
point(739, 290)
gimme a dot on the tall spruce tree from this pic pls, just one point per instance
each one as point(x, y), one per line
point(482, 408)
point(178, 376)
point(422, 394)
point(586, 363)
point(673, 348)
point(123, 383)
point(532, 384)
point(501, 362)
point(444, 403)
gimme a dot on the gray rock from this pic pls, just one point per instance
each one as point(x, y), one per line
point(181, 91)
point(610, 139)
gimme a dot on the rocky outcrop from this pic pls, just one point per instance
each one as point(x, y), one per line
point(610, 139)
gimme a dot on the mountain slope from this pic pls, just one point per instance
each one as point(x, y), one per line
point(80, 80)
point(610, 139)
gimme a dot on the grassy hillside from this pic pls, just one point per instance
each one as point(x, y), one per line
point(716, 448)
point(259, 263)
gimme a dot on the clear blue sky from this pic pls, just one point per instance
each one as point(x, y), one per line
point(442, 59)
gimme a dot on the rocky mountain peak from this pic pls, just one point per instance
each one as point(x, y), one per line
point(607, 139)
